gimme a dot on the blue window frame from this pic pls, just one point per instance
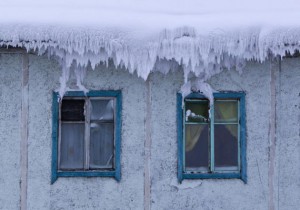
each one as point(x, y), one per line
point(212, 140)
point(86, 134)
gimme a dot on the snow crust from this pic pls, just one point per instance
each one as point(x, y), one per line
point(204, 37)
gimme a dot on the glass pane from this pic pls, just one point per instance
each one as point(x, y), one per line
point(102, 145)
point(226, 146)
point(102, 109)
point(72, 110)
point(226, 111)
point(72, 144)
point(196, 111)
point(196, 147)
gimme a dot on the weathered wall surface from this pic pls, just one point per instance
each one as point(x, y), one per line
point(211, 194)
point(85, 193)
point(288, 134)
point(10, 132)
point(159, 132)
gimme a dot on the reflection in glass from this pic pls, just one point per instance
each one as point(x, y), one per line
point(196, 147)
point(226, 146)
point(102, 109)
point(101, 145)
point(72, 145)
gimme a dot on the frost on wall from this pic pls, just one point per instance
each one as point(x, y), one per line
point(201, 55)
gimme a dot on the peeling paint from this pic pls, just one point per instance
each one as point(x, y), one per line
point(187, 184)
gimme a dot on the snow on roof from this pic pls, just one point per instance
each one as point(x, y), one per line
point(204, 36)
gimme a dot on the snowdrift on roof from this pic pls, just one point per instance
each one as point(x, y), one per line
point(204, 37)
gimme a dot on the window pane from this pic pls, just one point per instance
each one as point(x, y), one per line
point(102, 109)
point(72, 110)
point(102, 145)
point(196, 111)
point(72, 144)
point(196, 147)
point(226, 146)
point(226, 111)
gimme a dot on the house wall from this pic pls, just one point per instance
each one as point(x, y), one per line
point(288, 132)
point(149, 141)
point(212, 194)
point(10, 133)
point(84, 193)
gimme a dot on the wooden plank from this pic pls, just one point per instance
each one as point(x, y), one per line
point(147, 146)
point(24, 132)
point(179, 137)
point(212, 139)
point(118, 134)
point(242, 110)
point(212, 176)
point(272, 135)
point(55, 130)
point(87, 135)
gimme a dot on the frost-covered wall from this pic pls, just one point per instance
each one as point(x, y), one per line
point(149, 115)
point(84, 193)
point(10, 133)
point(288, 134)
point(212, 194)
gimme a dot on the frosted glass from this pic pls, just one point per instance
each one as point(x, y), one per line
point(102, 109)
point(102, 145)
point(72, 145)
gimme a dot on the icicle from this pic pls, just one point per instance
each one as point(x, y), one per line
point(186, 89)
point(80, 73)
point(201, 55)
point(64, 79)
point(205, 89)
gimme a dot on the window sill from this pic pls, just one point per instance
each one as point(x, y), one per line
point(113, 174)
point(213, 176)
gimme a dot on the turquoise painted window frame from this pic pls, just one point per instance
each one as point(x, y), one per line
point(116, 173)
point(242, 173)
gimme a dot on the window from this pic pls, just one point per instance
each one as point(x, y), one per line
point(211, 140)
point(86, 134)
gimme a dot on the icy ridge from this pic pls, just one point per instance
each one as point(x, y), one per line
point(203, 55)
